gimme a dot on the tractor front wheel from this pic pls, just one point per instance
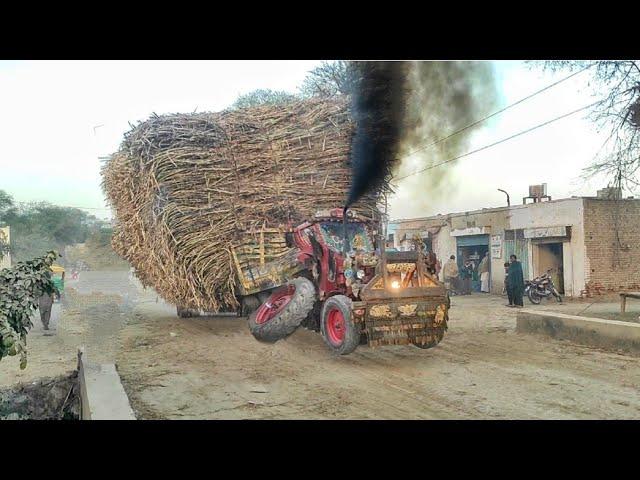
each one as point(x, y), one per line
point(338, 329)
point(283, 311)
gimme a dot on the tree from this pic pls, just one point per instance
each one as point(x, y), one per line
point(330, 79)
point(6, 201)
point(40, 226)
point(4, 245)
point(263, 97)
point(617, 112)
point(20, 288)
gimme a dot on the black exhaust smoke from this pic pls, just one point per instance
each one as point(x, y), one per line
point(378, 108)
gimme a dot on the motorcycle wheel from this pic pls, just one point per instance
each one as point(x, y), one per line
point(533, 296)
point(557, 295)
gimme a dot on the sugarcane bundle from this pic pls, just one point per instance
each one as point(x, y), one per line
point(184, 188)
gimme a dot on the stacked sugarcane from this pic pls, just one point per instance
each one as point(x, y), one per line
point(184, 188)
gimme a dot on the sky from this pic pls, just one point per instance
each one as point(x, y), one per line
point(57, 118)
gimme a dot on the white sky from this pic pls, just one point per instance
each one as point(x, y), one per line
point(58, 117)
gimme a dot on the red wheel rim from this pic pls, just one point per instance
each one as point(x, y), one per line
point(275, 304)
point(336, 327)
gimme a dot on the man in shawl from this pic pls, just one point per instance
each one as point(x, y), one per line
point(515, 281)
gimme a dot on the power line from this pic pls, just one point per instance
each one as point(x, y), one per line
point(67, 206)
point(502, 140)
point(435, 142)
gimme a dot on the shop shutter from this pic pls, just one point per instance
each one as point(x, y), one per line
point(472, 240)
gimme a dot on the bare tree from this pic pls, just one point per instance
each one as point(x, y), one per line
point(618, 113)
point(330, 79)
point(617, 83)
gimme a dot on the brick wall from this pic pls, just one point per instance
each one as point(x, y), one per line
point(608, 261)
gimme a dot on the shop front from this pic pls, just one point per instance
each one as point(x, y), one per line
point(549, 248)
point(472, 244)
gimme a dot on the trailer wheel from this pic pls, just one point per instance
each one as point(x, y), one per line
point(187, 312)
point(338, 329)
point(283, 311)
point(249, 304)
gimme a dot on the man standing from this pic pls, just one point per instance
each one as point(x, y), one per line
point(483, 270)
point(45, 303)
point(515, 281)
point(466, 272)
point(450, 272)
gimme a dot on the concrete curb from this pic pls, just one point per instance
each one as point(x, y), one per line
point(597, 332)
point(102, 396)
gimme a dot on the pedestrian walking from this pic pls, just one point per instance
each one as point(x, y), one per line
point(45, 303)
point(515, 282)
point(450, 273)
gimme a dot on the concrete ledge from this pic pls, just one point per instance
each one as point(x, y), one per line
point(102, 396)
point(597, 332)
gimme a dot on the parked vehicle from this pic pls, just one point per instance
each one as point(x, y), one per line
point(328, 276)
point(541, 287)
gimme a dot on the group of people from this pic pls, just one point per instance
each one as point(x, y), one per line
point(458, 280)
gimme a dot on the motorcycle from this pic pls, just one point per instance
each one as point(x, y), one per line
point(541, 287)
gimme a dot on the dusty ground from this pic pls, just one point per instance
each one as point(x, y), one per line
point(213, 368)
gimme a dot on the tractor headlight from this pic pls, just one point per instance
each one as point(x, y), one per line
point(360, 274)
point(395, 284)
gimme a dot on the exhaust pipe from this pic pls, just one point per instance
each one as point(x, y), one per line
point(345, 241)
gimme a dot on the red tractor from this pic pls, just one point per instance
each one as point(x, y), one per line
point(328, 276)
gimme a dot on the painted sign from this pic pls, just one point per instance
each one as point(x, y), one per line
point(496, 246)
point(545, 232)
point(470, 231)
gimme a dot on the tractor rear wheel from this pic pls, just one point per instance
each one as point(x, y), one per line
point(338, 329)
point(283, 311)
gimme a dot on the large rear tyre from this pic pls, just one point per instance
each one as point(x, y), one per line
point(338, 329)
point(283, 311)
point(533, 296)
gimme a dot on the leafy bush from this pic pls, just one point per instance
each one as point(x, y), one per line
point(20, 288)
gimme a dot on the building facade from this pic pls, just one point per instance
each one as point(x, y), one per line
point(579, 240)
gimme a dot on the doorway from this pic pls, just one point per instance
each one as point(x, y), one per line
point(473, 248)
point(549, 258)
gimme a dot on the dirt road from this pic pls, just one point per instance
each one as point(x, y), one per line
point(212, 368)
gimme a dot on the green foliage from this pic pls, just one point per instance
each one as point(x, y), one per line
point(4, 245)
point(20, 288)
point(263, 97)
point(6, 201)
point(39, 227)
point(96, 253)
